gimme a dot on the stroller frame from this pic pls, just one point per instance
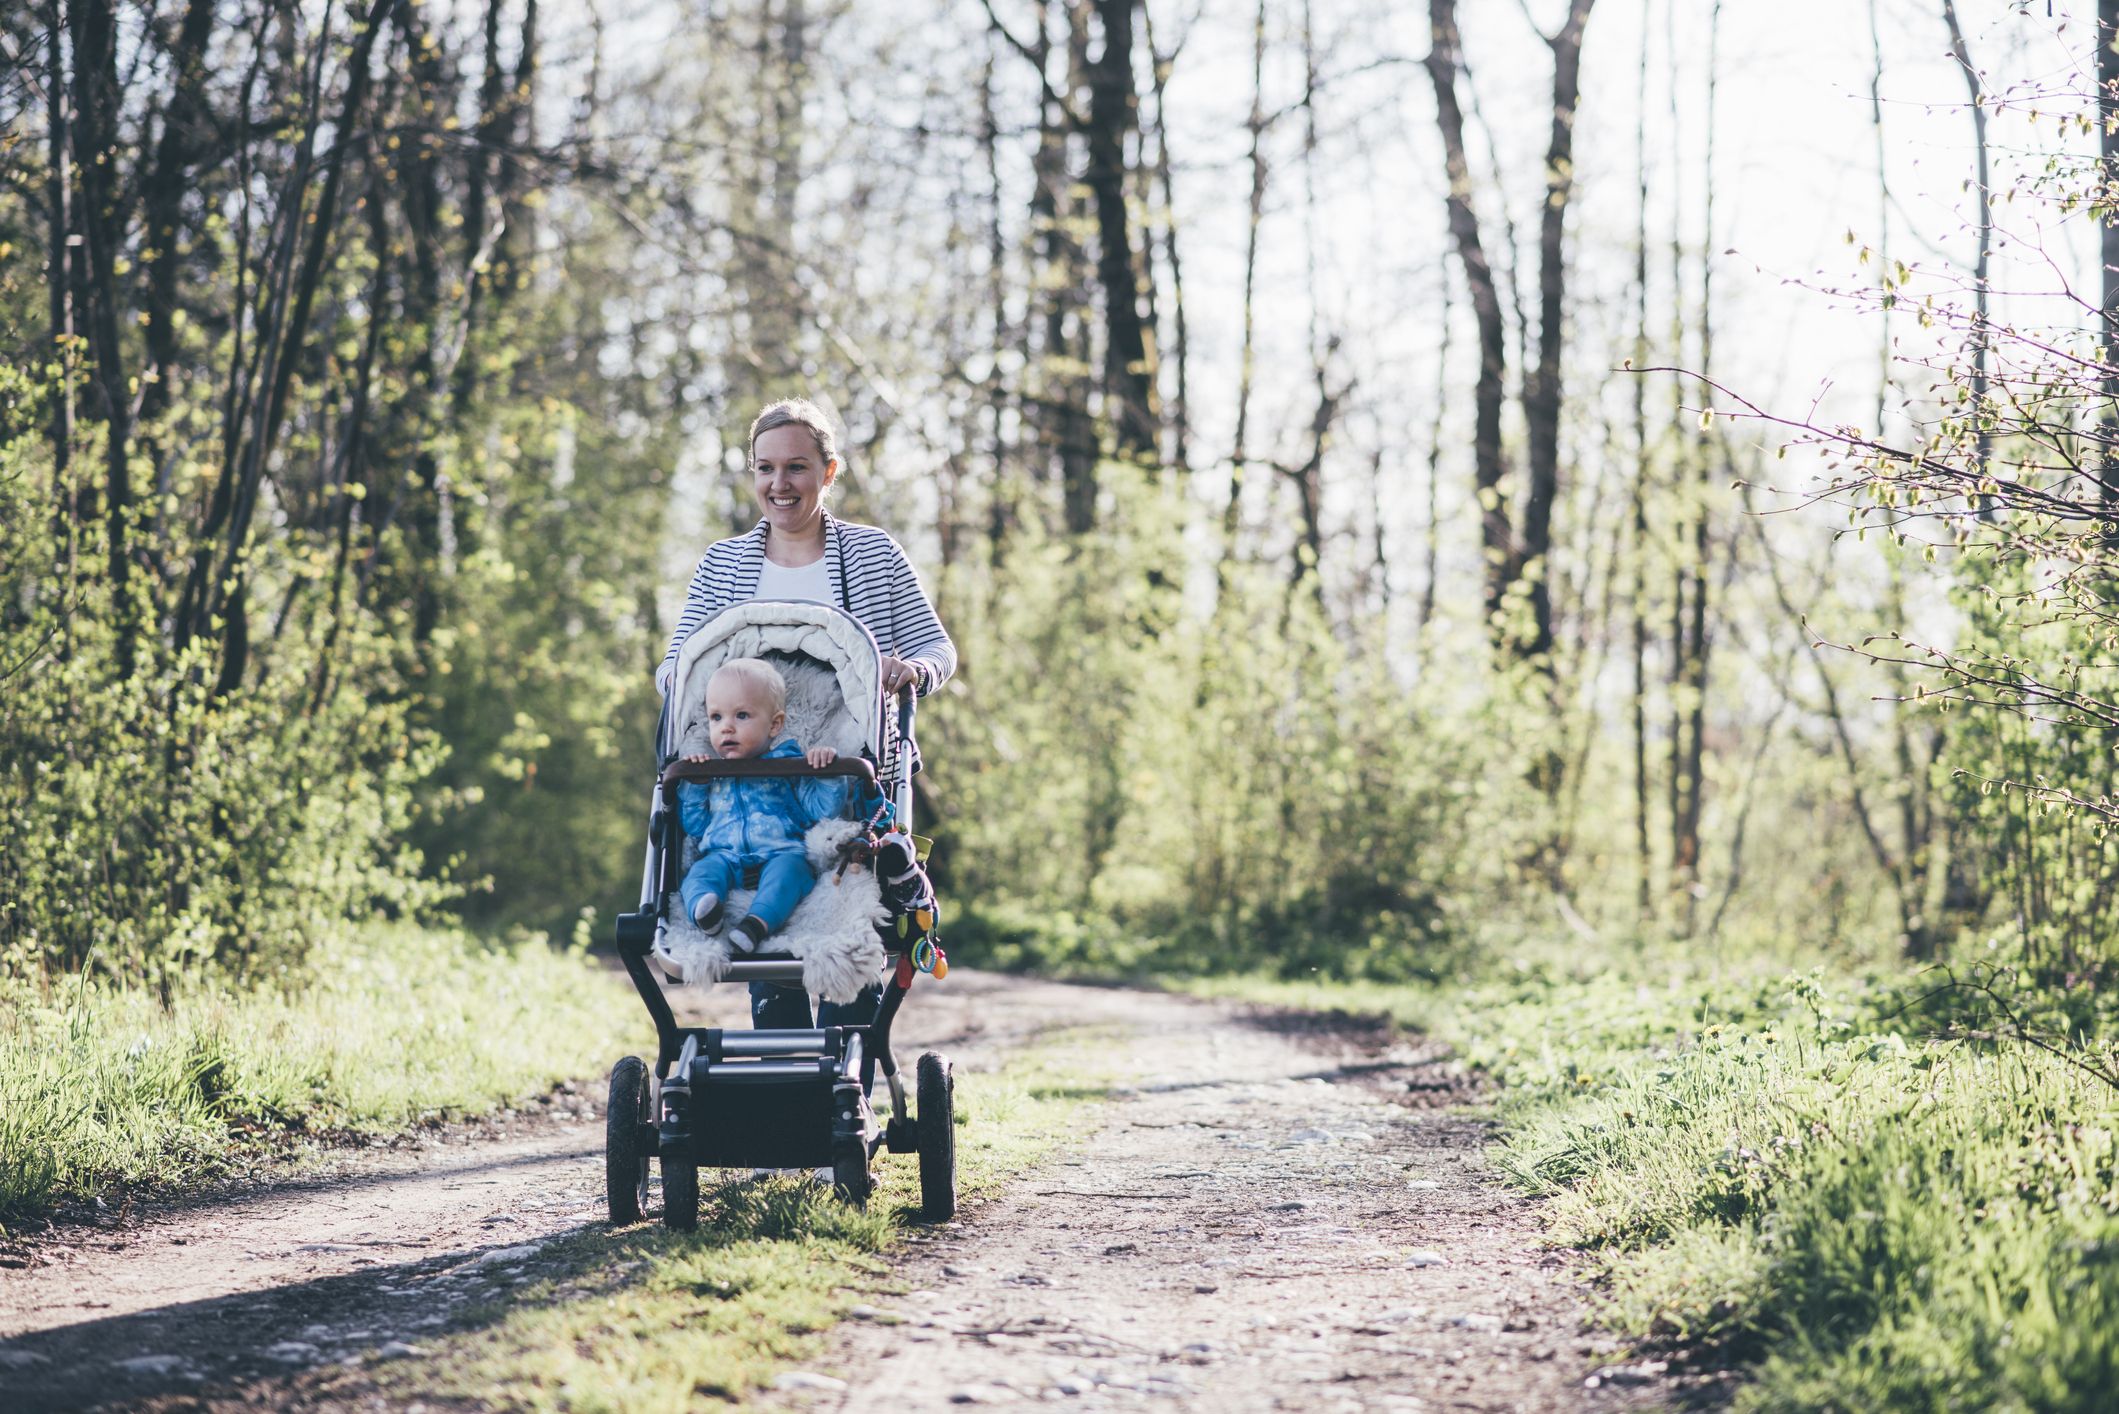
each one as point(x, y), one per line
point(727, 1098)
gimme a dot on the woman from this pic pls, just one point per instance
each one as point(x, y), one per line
point(801, 551)
point(798, 550)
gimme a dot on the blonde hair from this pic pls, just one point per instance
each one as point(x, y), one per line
point(757, 673)
point(796, 412)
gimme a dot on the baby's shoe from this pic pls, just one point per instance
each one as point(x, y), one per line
point(707, 911)
point(751, 926)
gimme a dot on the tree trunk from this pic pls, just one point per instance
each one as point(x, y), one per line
point(1541, 397)
point(1246, 365)
point(1180, 410)
point(416, 419)
point(1433, 546)
point(486, 137)
point(186, 125)
point(1496, 539)
point(517, 239)
point(1693, 779)
point(2108, 152)
point(94, 28)
point(1066, 354)
point(59, 278)
point(1000, 513)
point(1308, 478)
point(1644, 894)
point(1983, 440)
point(234, 606)
point(1129, 373)
point(1682, 855)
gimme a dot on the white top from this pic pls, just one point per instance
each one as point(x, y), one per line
point(810, 583)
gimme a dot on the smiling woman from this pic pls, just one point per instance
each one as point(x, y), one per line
point(799, 550)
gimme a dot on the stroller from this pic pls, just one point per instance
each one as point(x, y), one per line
point(786, 1099)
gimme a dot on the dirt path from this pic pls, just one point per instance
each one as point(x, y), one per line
point(1260, 1220)
point(1272, 1215)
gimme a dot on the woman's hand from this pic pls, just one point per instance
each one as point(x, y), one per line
point(820, 756)
point(898, 674)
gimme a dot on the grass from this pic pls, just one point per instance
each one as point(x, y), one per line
point(1864, 1201)
point(644, 1319)
point(106, 1088)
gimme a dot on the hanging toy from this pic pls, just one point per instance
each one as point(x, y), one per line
point(930, 959)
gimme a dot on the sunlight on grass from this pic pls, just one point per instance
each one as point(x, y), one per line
point(103, 1086)
point(647, 1319)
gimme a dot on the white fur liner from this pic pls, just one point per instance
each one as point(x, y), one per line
point(832, 930)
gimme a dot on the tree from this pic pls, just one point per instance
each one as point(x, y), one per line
point(1516, 555)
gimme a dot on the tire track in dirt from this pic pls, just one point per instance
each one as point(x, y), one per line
point(1255, 1220)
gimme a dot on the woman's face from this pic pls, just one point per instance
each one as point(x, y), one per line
point(790, 474)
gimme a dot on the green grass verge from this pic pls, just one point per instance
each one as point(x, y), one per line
point(645, 1319)
point(1808, 1176)
point(104, 1087)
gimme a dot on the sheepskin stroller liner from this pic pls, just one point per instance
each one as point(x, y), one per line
point(779, 1099)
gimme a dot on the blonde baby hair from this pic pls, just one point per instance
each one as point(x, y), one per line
point(758, 673)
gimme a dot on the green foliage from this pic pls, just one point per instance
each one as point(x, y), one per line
point(1801, 1173)
point(149, 823)
point(2044, 867)
point(539, 678)
point(1125, 778)
point(104, 1084)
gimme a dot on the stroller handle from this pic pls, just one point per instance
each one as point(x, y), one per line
point(750, 768)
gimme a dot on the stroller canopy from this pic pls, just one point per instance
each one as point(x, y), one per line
point(832, 666)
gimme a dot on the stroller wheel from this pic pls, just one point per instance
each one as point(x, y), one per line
point(680, 1195)
point(850, 1179)
point(624, 1159)
point(937, 1128)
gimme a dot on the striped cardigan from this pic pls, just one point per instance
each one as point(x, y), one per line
point(870, 578)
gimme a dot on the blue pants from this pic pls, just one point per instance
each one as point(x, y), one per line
point(784, 880)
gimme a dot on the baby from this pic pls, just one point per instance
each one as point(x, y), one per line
point(758, 824)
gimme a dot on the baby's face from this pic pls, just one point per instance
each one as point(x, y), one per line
point(739, 720)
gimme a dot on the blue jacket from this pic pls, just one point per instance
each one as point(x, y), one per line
point(755, 818)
